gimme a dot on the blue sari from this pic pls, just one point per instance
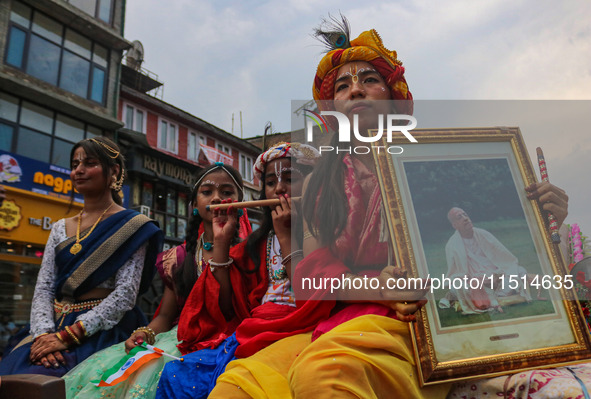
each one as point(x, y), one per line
point(104, 252)
point(197, 373)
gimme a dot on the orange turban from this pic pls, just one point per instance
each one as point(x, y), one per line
point(367, 47)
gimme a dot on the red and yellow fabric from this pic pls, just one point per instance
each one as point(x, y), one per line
point(359, 348)
point(202, 324)
point(367, 357)
point(358, 246)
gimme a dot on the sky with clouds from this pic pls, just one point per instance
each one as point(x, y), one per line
point(219, 58)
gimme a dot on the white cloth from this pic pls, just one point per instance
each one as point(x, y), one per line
point(125, 285)
point(478, 257)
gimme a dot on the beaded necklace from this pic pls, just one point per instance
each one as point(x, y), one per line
point(199, 260)
point(208, 246)
point(281, 273)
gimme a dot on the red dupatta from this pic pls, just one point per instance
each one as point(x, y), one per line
point(202, 324)
point(357, 246)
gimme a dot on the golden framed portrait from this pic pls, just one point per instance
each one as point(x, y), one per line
point(500, 298)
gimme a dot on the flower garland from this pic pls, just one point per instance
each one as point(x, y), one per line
point(576, 253)
point(576, 241)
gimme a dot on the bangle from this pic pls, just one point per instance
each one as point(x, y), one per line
point(307, 235)
point(40, 335)
point(71, 334)
point(60, 338)
point(78, 331)
point(150, 334)
point(214, 265)
point(287, 259)
point(64, 337)
point(81, 327)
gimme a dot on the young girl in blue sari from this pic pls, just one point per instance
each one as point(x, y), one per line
point(179, 268)
point(94, 266)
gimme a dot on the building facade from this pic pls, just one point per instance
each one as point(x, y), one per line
point(166, 147)
point(59, 83)
point(62, 80)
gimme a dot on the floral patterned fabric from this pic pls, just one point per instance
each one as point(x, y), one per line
point(572, 382)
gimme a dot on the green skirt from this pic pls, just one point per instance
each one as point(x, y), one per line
point(141, 384)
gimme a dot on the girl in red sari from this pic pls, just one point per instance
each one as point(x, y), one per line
point(259, 276)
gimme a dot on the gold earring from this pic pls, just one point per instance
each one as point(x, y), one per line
point(117, 184)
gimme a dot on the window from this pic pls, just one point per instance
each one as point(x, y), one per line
point(169, 208)
point(195, 142)
point(134, 118)
point(246, 167)
point(47, 50)
point(53, 134)
point(100, 9)
point(193, 149)
point(224, 149)
point(249, 168)
point(167, 136)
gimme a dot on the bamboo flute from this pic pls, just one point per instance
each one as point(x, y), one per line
point(248, 204)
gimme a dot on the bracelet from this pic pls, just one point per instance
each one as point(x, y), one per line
point(60, 338)
point(307, 235)
point(214, 265)
point(65, 338)
point(40, 335)
point(78, 331)
point(71, 334)
point(81, 327)
point(287, 259)
point(150, 334)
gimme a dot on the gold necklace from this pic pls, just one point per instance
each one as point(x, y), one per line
point(77, 247)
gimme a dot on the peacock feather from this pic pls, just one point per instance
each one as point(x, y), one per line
point(334, 33)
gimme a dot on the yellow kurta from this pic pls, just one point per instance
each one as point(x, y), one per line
point(367, 357)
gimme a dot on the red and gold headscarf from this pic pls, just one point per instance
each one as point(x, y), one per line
point(367, 47)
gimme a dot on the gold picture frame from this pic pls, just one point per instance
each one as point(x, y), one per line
point(485, 171)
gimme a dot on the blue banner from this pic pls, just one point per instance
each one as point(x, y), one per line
point(41, 178)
